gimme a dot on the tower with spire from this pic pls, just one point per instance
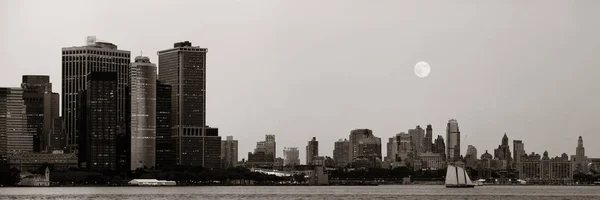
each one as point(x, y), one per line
point(503, 151)
point(580, 161)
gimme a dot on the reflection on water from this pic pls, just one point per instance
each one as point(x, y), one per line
point(434, 192)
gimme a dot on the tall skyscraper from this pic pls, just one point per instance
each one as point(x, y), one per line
point(417, 136)
point(453, 141)
point(503, 151)
point(270, 145)
point(143, 113)
point(580, 161)
point(183, 67)
point(98, 129)
point(519, 151)
point(312, 150)
point(14, 136)
point(291, 156)
point(428, 141)
point(392, 149)
point(77, 64)
point(369, 149)
point(37, 94)
point(341, 153)
point(165, 144)
point(229, 152)
point(405, 147)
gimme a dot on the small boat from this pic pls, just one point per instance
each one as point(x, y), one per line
point(457, 177)
point(479, 182)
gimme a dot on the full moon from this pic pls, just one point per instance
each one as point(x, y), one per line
point(422, 69)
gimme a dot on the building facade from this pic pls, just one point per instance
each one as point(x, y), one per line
point(143, 113)
point(98, 130)
point(453, 141)
point(341, 153)
point(503, 151)
point(33, 161)
point(433, 161)
point(580, 161)
point(77, 64)
point(291, 156)
point(229, 152)
point(165, 144)
point(428, 141)
point(417, 136)
point(312, 151)
point(37, 95)
point(439, 146)
point(183, 67)
point(546, 170)
point(518, 152)
point(14, 135)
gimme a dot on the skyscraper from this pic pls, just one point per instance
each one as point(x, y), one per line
point(519, 151)
point(417, 136)
point(270, 145)
point(580, 161)
point(341, 153)
point(98, 129)
point(37, 94)
point(471, 156)
point(14, 136)
point(312, 150)
point(143, 113)
point(356, 136)
point(77, 64)
point(229, 152)
point(291, 156)
point(405, 147)
point(165, 144)
point(183, 67)
point(57, 138)
point(453, 141)
point(503, 151)
point(392, 149)
point(428, 141)
point(439, 146)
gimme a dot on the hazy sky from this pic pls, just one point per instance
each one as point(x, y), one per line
point(300, 69)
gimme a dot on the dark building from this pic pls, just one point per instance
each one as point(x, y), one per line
point(37, 94)
point(57, 138)
point(98, 132)
point(184, 68)
point(14, 137)
point(427, 143)
point(503, 151)
point(453, 141)
point(341, 154)
point(77, 63)
point(439, 146)
point(165, 144)
point(312, 151)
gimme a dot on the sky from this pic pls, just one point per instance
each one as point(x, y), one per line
point(303, 69)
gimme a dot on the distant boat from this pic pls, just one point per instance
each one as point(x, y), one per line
point(457, 177)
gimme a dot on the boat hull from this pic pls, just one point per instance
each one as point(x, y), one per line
point(460, 186)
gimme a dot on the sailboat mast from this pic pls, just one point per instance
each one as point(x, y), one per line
point(465, 172)
point(456, 168)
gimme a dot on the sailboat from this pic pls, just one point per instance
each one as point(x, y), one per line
point(457, 177)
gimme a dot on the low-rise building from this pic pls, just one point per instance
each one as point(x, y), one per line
point(546, 170)
point(433, 161)
point(32, 161)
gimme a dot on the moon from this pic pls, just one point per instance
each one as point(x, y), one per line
point(422, 69)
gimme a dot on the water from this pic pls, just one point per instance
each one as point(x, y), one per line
point(433, 192)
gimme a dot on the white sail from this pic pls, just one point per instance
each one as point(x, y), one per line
point(461, 176)
point(469, 182)
point(451, 178)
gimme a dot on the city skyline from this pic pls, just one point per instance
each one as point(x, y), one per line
point(516, 81)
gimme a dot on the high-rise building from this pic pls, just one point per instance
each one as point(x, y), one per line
point(439, 146)
point(392, 149)
point(356, 136)
point(291, 156)
point(518, 152)
point(369, 149)
point(37, 94)
point(98, 129)
point(580, 161)
point(453, 141)
point(341, 153)
point(503, 151)
point(14, 136)
point(57, 138)
point(270, 146)
point(143, 113)
point(417, 136)
point(229, 152)
point(77, 64)
point(312, 150)
point(428, 141)
point(184, 68)
point(165, 144)
point(471, 156)
point(405, 147)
